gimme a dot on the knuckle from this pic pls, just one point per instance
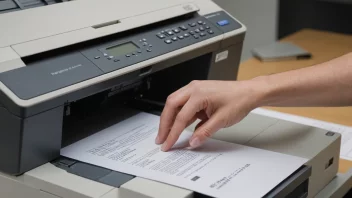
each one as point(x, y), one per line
point(224, 121)
point(170, 97)
point(171, 101)
point(180, 118)
point(207, 133)
point(194, 83)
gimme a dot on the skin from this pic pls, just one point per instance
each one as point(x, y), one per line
point(221, 104)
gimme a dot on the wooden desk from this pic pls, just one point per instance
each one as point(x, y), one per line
point(324, 46)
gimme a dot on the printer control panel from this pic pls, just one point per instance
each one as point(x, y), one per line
point(94, 58)
point(129, 50)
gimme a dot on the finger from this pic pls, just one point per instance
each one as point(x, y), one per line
point(171, 109)
point(187, 113)
point(168, 116)
point(207, 129)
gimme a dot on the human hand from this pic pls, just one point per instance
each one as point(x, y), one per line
point(218, 104)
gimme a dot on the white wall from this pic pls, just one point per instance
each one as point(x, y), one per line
point(260, 18)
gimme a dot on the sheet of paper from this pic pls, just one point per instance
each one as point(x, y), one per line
point(345, 131)
point(217, 169)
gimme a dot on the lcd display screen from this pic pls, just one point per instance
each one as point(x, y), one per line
point(122, 49)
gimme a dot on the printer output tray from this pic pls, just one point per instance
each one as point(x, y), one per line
point(295, 186)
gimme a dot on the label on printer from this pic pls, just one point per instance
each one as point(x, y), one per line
point(221, 56)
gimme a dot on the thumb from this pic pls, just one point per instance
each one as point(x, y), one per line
point(207, 129)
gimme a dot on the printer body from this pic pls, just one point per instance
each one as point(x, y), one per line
point(71, 69)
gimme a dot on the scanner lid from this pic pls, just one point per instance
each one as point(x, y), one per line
point(41, 22)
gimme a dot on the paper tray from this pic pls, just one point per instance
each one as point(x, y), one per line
point(296, 185)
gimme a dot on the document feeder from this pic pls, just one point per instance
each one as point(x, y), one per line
point(60, 88)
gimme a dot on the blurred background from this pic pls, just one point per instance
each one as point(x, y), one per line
point(270, 20)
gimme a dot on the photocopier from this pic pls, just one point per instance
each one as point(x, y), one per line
point(69, 69)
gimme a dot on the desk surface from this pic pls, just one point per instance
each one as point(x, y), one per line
point(324, 46)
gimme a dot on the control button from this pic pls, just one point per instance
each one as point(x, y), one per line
point(191, 32)
point(223, 22)
point(105, 54)
point(134, 53)
point(144, 40)
point(201, 28)
point(192, 24)
point(183, 28)
point(186, 35)
point(161, 36)
point(196, 36)
point(170, 33)
point(149, 50)
point(116, 60)
point(204, 23)
point(207, 27)
point(197, 30)
point(180, 37)
point(176, 30)
point(162, 32)
point(110, 57)
point(210, 32)
point(145, 44)
point(168, 41)
point(128, 55)
point(202, 34)
point(200, 22)
point(150, 45)
point(140, 41)
point(139, 51)
point(97, 57)
point(174, 38)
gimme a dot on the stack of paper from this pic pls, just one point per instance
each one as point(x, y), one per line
point(218, 169)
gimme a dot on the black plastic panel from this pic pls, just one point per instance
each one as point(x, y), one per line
point(40, 139)
point(17, 5)
point(7, 5)
point(10, 135)
point(49, 75)
point(95, 173)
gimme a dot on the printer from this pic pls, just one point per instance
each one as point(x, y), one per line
point(69, 69)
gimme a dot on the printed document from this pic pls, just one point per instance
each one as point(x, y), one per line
point(217, 169)
point(345, 131)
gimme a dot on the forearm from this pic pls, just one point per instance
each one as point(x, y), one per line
point(326, 84)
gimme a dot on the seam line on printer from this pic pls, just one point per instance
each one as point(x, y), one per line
point(19, 4)
point(108, 192)
point(49, 193)
point(92, 63)
point(43, 38)
point(88, 27)
point(263, 130)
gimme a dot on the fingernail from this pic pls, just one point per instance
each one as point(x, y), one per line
point(157, 140)
point(163, 147)
point(195, 142)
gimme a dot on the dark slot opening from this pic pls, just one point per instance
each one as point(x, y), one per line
point(329, 163)
point(90, 115)
point(106, 24)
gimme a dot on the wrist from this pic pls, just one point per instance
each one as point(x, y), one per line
point(263, 90)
